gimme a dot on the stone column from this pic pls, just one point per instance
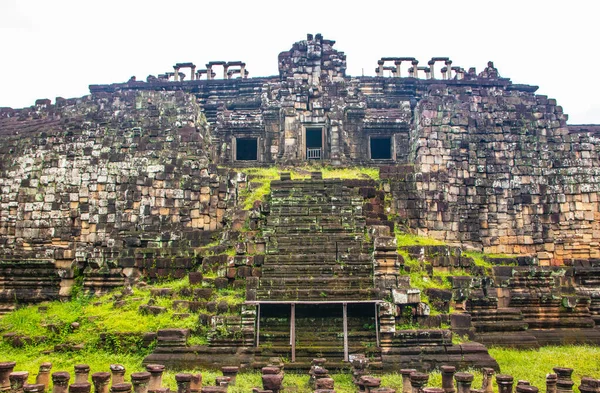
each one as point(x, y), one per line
point(82, 373)
point(418, 381)
point(398, 63)
point(60, 382)
point(243, 70)
point(193, 75)
point(231, 372)
point(431, 64)
point(101, 382)
point(156, 371)
point(17, 380)
point(551, 383)
point(589, 385)
point(505, 383)
point(415, 65)
point(196, 384)
point(120, 388)
point(380, 68)
point(486, 384)
point(448, 378)
point(118, 374)
point(5, 369)
point(448, 69)
point(175, 74)
point(428, 74)
point(140, 381)
point(208, 71)
point(526, 389)
point(183, 382)
point(43, 376)
point(82, 387)
point(34, 388)
point(564, 383)
point(463, 382)
point(225, 67)
point(406, 385)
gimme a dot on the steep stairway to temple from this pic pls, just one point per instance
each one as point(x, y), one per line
point(317, 249)
point(318, 256)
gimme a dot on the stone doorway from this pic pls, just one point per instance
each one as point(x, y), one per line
point(246, 149)
point(301, 331)
point(314, 139)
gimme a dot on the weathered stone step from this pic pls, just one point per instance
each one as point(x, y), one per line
point(313, 228)
point(269, 271)
point(314, 199)
point(320, 258)
point(325, 248)
point(317, 238)
point(311, 209)
point(309, 282)
point(317, 294)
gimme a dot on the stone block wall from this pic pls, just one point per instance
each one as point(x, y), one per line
point(498, 167)
point(114, 183)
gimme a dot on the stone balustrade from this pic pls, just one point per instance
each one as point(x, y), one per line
point(320, 381)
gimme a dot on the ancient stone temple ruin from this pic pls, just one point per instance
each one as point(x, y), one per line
point(140, 181)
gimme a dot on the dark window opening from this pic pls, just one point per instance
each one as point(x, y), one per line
point(381, 148)
point(246, 149)
point(314, 139)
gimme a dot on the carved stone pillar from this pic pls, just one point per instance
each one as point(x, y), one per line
point(43, 376)
point(140, 381)
point(5, 369)
point(60, 382)
point(418, 381)
point(101, 382)
point(406, 385)
point(83, 387)
point(34, 388)
point(415, 66)
point(156, 371)
point(82, 373)
point(121, 388)
point(183, 382)
point(463, 382)
point(551, 383)
point(448, 378)
point(17, 381)
point(505, 383)
point(486, 384)
point(118, 373)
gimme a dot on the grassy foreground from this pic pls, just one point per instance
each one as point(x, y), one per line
point(531, 365)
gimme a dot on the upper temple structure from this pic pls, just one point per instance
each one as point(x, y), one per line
point(139, 180)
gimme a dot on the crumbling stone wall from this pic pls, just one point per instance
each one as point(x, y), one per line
point(115, 184)
point(498, 167)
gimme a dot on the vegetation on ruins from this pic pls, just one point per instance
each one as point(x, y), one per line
point(259, 178)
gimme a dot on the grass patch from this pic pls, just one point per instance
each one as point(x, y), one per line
point(259, 178)
point(408, 239)
point(533, 365)
point(478, 259)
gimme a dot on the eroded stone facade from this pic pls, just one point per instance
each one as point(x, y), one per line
point(125, 181)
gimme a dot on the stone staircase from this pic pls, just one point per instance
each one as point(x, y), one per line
point(316, 244)
point(317, 254)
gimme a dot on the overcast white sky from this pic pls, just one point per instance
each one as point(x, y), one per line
point(59, 47)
